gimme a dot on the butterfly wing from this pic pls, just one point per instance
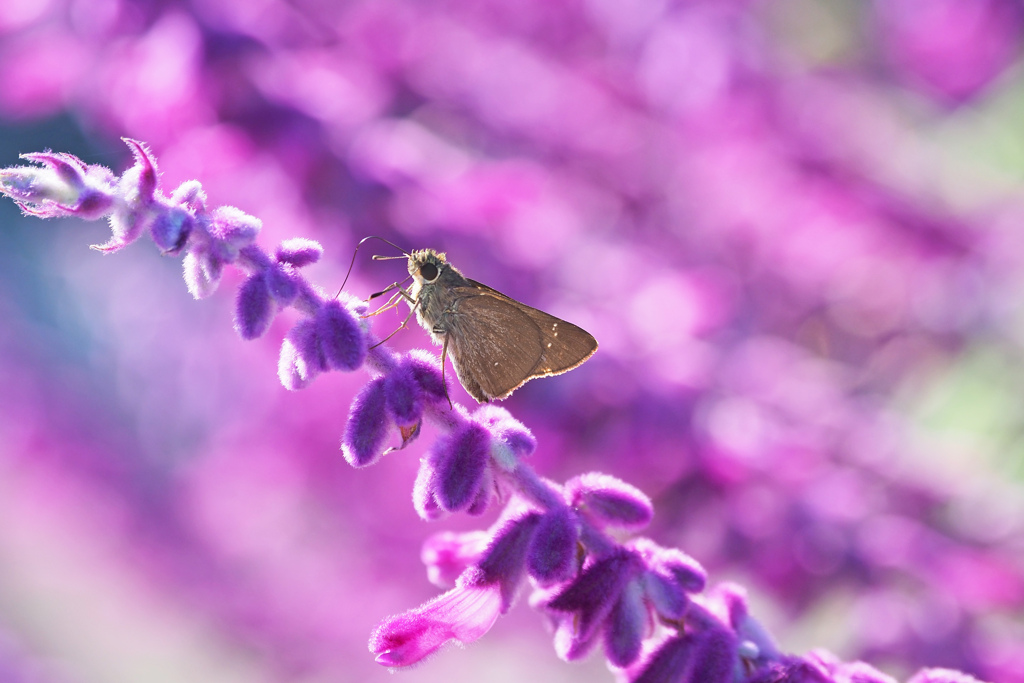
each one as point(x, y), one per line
point(498, 343)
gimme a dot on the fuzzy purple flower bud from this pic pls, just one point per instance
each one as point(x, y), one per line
point(301, 359)
point(136, 193)
point(512, 440)
point(254, 309)
point(590, 599)
point(424, 499)
point(426, 368)
point(299, 252)
point(683, 569)
point(628, 623)
point(341, 339)
point(460, 459)
point(703, 657)
point(170, 228)
point(447, 554)
point(484, 496)
point(504, 560)
point(228, 231)
point(464, 613)
point(665, 594)
point(284, 285)
point(404, 395)
point(367, 426)
point(64, 186)
point(610, 502)
point(552, 556)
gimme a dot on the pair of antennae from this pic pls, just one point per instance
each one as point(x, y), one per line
point(375, 258)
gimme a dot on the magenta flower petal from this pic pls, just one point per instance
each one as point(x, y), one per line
point(447, 554)
point(464, 613)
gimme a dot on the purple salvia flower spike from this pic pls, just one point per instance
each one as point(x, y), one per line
point(447, 554)
point(367, 426)
point(341, 338)
point(301, 359)
point(464, 613)
point(254, 308)
point(552, 555)
point(64, 186)
point(610, 502)
point(460, 459)
point(628, 623)
point(299, 252)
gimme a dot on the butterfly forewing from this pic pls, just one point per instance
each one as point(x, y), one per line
point(493, 344)
point(500, 343)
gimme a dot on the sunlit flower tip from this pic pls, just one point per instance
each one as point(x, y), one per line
point(143, 174)
point(460, 459)
point(941, 676)
point(254, 309)
point(610, 502)
point(404, 396)
point(367, 426)
point(464, 613)
point(341, 339)
point(64, 186)
point(426, 368)
point(298, 252)
point(170, 228)
point(593, 594)
point(191, 195)
point(447, 554)
point(504, 560)
point(202, 275)
point(424, 497)
point(301, 359)
point(628, 624)
point(552, 553)
point(231, 230)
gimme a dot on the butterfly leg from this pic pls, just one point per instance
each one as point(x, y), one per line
point(444, 355)
point(405, 322)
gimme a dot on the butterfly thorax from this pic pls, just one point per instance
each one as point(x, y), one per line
point(432, 297)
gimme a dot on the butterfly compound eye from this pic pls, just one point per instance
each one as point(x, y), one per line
point(428, 271)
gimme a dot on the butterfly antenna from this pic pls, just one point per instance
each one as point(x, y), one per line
point(356, 251)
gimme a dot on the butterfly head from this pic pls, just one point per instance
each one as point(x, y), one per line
point(426, 266)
